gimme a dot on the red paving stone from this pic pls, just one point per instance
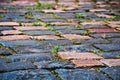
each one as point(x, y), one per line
point(77, 55)
point(30, 28)
point(45, 37)
point(10, 32)
point(9, 24)
point(87, 63)
point(75, 37)
point(15, 37)
point(111, 62)
point(101, 30)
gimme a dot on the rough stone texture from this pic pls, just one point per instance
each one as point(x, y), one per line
point(63, 27)
point(15, 37)
point(5, 28)
point(114, 25)
point(110, 55)
point(4, 52)
point(86, 63)
point(9, 24)
point(71, 31)
point(93, 23)
point(115, 40)
point(111, 62)
point(75, 37)
point(46, 37)
point(53, 65)
point(30, 28)
point(113, 72)
point(39, 32)
point(93, 26)
point(102, 30)
point(64, 23)
point(108, 47)
point(5, 67)
point(76, 55)
point(10, 32)
point(53, 20)
point(77, 74)
point(2, 60)
point(30, 57)
point(37, 74)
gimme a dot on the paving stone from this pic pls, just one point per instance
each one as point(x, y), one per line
point(64, 23)
point(30, 28)
point(114, 22)
point(15, 37)
point(75, 55)
point(111, 62)
point(5, 67)
point(53, 20)
point(108, 47)
point(78, 48)
point(99, 10)
point(75, 37)
point(116, 40)
point(106, 35)
point(110, 55)
point(46, 37)
point(113, 72)
point(53, 65)
point(100, 23)
point(77, 74)
point(5, 28)
point(102, 30)
point(10, 32)
point(56, 42)
point(63, 27)
point(30, 57)
point(53, 11)
point(114, 25)
point(94, 26)
point(86, 63)
point(2, 60)
point(4, 51)
point(15, 43)
point(26, 24)
point(71, 31)
point(9, 24)
point(39, 32)
point(92, 41)
point(37, 74)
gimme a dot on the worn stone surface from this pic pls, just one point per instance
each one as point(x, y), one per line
point(2, 60)
point(113, 72)
point(93, 23)
point(83, 74)
point(76, 55)
point(115, 40)
point(5, 67)
point(40, 74)
point(10, 32)
point(71, 31)
point(4, 52)
point(9, 24)
point(5, 28)
point(63, 27)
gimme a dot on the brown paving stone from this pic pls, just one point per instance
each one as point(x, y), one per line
point(118, 29)
point(114, 22)
point(64, 24)
point(114, 25)
point(111, 62)
point(86, 63)
point(93, 23)
point(15, 37)
point(46, 37)
point(9, 24)
point(99, 10)
point(52, 11)
point(75, 37)
point(30, 28)
point(104, 15)
point(100, 30)
point(78, 55)
point(10, 32)
point(23, 2)
point(27, 24)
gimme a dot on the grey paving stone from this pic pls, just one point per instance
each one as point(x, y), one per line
point(116, 40)
point(56, 42)
point(2, 60)
point(4, 52)
point(19, 43)
point(63, 27)
point(30, 57)
point(111, 54)
point(5, 67)
point(106, 35)
point(38, 32)
point(80, 74)
point(113, 72)
point(5, 28)
point(92, 41)
point(53, 65)
point(93, 26)
point(71, 31)
point(78, 48)
point(53, 20)
point(37, 74)
point(108, 47)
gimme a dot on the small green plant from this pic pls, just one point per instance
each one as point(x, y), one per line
point(56, 16)
point(52, 29)
point(80, 15)
point(115, 17)
point(55, 49)
point(118, 57)
point(96, 52)
point(48, 6)
point(1, 16)
point(36, 23)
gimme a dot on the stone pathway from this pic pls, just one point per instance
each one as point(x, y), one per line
point(57, 41)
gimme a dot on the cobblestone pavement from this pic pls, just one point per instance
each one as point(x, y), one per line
point(64, 40)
